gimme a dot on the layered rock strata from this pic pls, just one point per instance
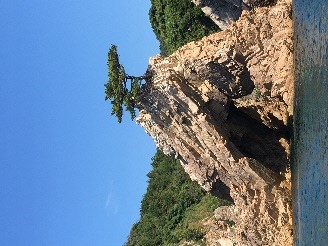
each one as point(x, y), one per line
point(222, 106)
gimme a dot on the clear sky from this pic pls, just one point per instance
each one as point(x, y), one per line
point(69, 173)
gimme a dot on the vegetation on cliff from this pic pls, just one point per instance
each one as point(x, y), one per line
point(121, 88)
point(177, 22)
point(173, 207)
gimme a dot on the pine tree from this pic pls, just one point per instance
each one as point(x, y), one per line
point(121, 88)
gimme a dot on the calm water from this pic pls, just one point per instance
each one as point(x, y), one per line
point(310, 150)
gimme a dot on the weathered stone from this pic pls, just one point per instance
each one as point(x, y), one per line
point(222, 12)
point(226, 12)
point(222, 106)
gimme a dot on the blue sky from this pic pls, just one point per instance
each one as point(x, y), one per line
point(70, 174)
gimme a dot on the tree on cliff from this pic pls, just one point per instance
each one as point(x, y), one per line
point(175, 23)
point(121, 88)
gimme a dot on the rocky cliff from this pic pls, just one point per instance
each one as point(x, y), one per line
point(222, 105)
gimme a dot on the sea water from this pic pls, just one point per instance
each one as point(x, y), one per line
point(310, 143)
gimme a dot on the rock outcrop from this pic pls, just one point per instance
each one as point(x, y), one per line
point(226, 12)
point(222, 105)
point(222, 12)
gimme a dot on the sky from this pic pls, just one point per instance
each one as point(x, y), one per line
point(69, 173)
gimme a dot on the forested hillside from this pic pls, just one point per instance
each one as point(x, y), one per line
point(177, 22)
point(173, 207)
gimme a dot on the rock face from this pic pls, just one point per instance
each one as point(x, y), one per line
point(222, 12)
point(226, 12)
point(222, 106)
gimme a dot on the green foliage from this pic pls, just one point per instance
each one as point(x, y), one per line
point(203, 209)
point(177, 22)
point(257, 93)
point(229, 223)
point(116, 88)
point(172, 208)
point(194, 234)
point(191, 227)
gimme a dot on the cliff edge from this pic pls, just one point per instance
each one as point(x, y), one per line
point(223, 105)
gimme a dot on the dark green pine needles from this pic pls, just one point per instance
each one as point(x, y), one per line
point(121, 89)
